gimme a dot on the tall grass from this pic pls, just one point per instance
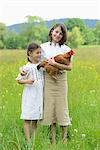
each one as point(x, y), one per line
point(83, 96)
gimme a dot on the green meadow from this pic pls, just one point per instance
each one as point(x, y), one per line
point(83, 98)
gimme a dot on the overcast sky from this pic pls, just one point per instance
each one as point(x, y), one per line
point(15, 11)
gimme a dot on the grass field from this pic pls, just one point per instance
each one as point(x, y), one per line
point(83, 96)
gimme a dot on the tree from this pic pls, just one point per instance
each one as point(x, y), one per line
point(12, 40)
point(3, 31)
point(75, 38)
point(75, 22)
point(89, 37)
point(97, 32)
point(1, 44)
point(35, 30)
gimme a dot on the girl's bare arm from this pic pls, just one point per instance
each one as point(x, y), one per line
point(25, 81)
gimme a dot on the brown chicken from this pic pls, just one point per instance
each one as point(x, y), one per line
point(61, 58)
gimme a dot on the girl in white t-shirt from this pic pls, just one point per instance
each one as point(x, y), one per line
point(55, 91)
point(32, 97)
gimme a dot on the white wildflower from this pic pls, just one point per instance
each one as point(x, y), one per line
point(93, 105)
point(3, 95)
point(19, 94)
point(6, 91)
point(1, 135)
point(83, 135)
point(92, 91)
point(76, 130)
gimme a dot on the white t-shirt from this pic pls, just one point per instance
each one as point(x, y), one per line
point(52, 50)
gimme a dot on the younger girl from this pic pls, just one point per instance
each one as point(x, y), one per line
point(32, 97)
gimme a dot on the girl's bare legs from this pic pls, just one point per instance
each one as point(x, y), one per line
point(34, 127)
point(64, 133)
point(27, 130)
point(53, 133)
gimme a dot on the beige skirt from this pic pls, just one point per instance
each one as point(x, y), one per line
point(55, 100)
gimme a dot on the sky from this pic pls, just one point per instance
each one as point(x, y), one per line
point(15, 11)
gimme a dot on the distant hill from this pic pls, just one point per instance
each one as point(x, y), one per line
point(89, 22)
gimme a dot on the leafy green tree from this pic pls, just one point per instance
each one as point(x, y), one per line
point(75, 22)
point(89, 36)
point(97, 33)
point(1, 44)
point(35, 30)
point(74, 38)
point(23, 41)
point(12, 40)
point(3, 31)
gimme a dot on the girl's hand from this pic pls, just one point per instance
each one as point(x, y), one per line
point(30, 82)
point(22, 72)
point(51, 61)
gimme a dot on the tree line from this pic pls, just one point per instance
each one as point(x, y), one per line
point(35, 30)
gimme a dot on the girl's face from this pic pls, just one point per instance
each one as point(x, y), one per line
point(35, 55)
point(57, 35)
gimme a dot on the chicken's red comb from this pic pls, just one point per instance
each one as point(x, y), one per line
point(71, 52)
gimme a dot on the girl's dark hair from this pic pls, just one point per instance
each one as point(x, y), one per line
point(31, 47)
point(64, 32)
